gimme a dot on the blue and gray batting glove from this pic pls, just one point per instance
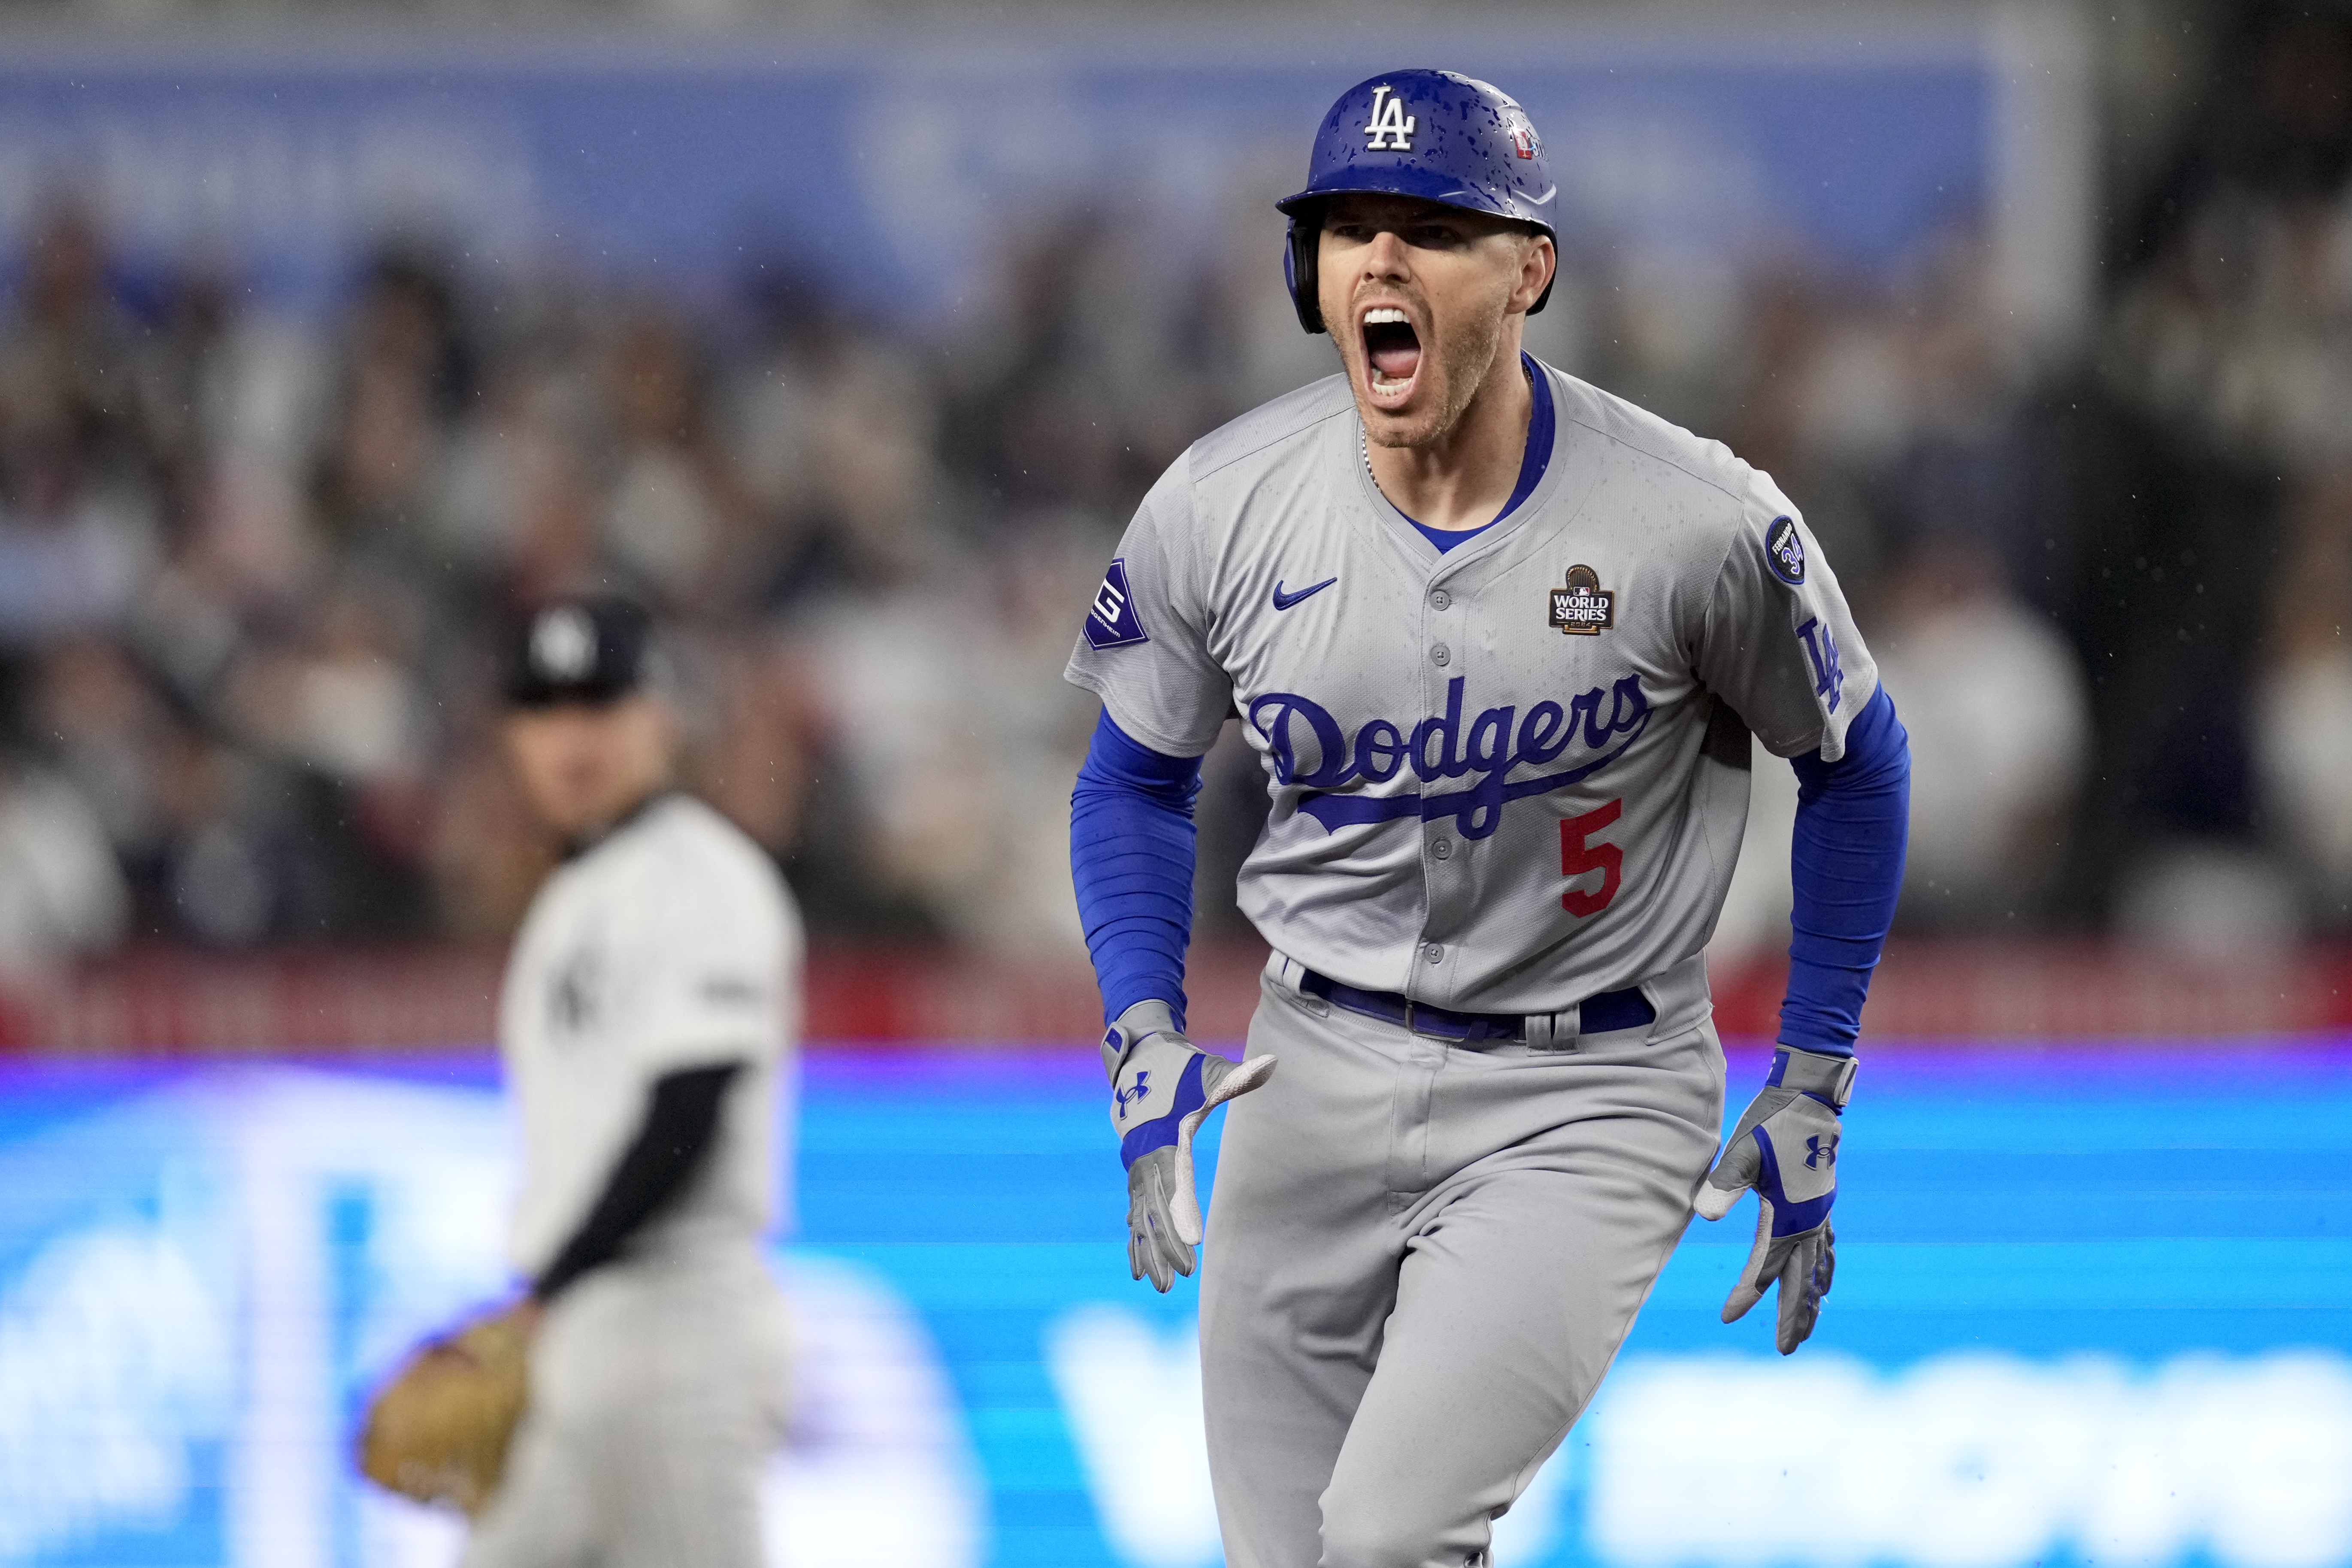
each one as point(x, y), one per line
point(1162, 1089)
point(1785, 1146)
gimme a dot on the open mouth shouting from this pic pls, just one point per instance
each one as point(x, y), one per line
point(1391, 354)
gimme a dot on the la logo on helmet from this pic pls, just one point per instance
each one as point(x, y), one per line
point(1392, 128)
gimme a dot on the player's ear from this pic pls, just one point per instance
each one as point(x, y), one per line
point(1320, 276)
point(1538, 265)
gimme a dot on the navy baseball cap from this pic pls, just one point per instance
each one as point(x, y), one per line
point(592, 648)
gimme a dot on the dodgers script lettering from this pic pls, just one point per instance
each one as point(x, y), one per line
point(1442, 747)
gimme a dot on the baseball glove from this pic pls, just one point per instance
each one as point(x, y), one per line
point(439, 1431)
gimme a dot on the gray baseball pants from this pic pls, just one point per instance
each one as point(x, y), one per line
point(656, 1396)
point(1421, 1257)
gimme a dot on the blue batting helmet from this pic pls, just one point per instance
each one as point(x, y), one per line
point(1438, 135)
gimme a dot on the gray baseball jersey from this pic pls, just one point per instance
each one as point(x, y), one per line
point(1490, 767)
point(671, 945)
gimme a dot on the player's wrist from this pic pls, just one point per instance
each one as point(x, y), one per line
point(1150, 1016)
point(1140, 1022)
point(1826, 1077)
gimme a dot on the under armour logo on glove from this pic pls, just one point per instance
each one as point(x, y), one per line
point(1133, 1094)
point(1159, 1110)
point(1818, 1154)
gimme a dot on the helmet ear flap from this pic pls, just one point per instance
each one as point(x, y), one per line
point(1298, 256)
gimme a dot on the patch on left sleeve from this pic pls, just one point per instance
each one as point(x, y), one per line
point(1784, 551)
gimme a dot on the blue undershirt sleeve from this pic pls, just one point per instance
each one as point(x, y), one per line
point(1132, 846)
point(1853, 817)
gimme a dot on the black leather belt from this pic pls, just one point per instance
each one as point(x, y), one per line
point(1626, 1009)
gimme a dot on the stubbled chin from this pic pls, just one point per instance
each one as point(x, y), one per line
point(1393, 421)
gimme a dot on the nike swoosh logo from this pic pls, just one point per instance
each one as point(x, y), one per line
point(1282, 601)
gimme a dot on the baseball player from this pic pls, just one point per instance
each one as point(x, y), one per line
point(1501, 642)
point(647, 1007)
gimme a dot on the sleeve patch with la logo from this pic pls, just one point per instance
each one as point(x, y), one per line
point(1584, 608)
point(1821, 648)
point(1392, 128)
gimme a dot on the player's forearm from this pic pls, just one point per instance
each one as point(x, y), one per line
point(1852, 821)
point(680, 1124)
point(1132, 847)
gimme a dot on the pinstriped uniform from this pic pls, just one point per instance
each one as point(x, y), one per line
point(656, 1380)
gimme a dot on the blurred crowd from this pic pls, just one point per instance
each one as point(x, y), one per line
point(250, 574)
point(249, 565)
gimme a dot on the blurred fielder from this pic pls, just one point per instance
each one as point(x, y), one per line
point(1501, 641)
point(648, 1004)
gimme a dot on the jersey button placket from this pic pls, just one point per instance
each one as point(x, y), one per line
point(1440, 842)
point(1441, 600)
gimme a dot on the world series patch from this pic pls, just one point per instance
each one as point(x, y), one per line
point(1584, 608)
point(1784, 551)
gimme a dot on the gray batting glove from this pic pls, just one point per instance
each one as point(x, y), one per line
point(1162, 1089)
point(1785, 1146)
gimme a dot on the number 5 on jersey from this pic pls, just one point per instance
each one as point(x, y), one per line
point(1579, 854)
